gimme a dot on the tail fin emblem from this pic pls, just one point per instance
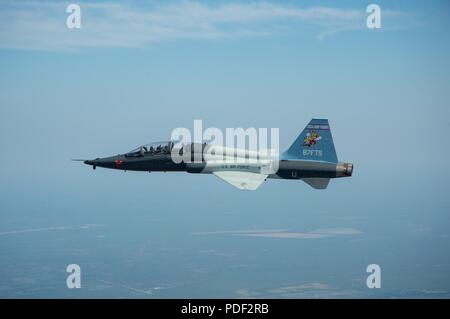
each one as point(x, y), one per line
point(311, 138)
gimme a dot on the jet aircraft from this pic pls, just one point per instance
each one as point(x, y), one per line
point(311, 158)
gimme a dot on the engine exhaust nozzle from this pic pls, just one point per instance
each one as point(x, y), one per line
point(344, 169)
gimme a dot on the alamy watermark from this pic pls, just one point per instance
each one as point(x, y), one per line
point(73, 21)
point(74, 278)
point(374, 19)
point(374, 279)
point(251, 146)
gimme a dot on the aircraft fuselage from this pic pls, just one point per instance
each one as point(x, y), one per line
point(287, 169)
point(311, 158)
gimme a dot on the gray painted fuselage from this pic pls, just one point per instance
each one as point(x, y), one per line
point(287, 169)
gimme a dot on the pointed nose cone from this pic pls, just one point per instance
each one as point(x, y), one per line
point(106, 162)
point(92, 162)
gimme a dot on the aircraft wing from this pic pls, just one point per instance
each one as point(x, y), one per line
point(242, 180)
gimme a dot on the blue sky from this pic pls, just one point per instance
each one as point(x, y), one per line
point(136, 71)
point(377, 80)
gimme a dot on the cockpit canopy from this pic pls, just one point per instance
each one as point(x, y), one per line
point(156, 148)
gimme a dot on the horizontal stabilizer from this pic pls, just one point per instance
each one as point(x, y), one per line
point(317, 182)
point(242, 180)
